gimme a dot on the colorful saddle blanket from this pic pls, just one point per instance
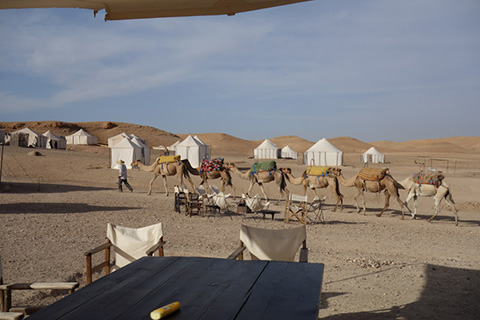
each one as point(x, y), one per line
point(263, 166)
point(211, 165)
point(318, 171)
point(428, 178)
point(164, 159)
point(372, 174)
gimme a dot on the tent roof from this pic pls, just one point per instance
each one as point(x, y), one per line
point(130, 9)
point(125, 144)
point(372, 150)
point(198, 139)
point(175, 144)
point(81, 132)
point(27, 130)
point(267, 144)
point(138, 142)
point(189, 142)
point(52, 136)
point(323, 145)
point(288, 149)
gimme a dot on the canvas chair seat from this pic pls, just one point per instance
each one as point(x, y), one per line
point(267, 244)
point(255, 203)
point(9, 311)
point(296, 208)
point(129, 244)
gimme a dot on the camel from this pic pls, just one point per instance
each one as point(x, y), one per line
point(262, 177)
point(223, 174)
point(388, 184)
point(317, 182)
point(165, 169)
point(415, 190)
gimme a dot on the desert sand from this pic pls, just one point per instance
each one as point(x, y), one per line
point(56, 206)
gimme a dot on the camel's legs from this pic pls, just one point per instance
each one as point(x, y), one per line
point(451, 203)
point(360, 192)
point(151, 183)
point(165, 184)
point(339, 197)
point(387, 204)
point(411, 195)
point(263, 190)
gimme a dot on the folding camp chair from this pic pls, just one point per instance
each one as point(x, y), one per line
point(6, 290)
point(267, 244)
point(316, 207)
point(180, 198)
point(296, 207)
point(129, 244)
point(194, 204)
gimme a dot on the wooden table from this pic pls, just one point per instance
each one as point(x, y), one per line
point(207, 288)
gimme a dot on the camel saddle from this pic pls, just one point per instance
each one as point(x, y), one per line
point(263, 166)
point(211, 165)
point(372, 174)
point(432, 178)
point(166, 159)
point(317, 171)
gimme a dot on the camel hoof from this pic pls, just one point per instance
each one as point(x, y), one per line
point(378, 215)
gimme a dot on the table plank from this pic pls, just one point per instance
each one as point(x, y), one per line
point(283, 289)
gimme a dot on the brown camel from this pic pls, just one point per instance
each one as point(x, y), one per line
point(222, 174)
point(387, 184)
point(165, 169)
point(262, 177)
point(315, 182)
point(440, 192)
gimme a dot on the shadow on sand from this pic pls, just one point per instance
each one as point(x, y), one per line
point(449, 293)
point(20, 187)
point(55, 208)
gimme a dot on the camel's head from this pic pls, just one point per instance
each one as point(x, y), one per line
point(135, 163)
point(229, 165)
point(335, 171)
point(286, 170)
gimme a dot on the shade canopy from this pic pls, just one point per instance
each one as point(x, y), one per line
point(372, 155)
point(323, 153)
point(34, 139)
point(140, 9)
point(266, 150)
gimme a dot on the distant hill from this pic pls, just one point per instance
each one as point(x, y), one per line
point(222, 143)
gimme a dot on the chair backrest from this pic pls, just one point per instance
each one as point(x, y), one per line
point(267, 244)
point(296, 198)
point(131, 244)
point(214, 189)
point(255, 203)
point(221, 200)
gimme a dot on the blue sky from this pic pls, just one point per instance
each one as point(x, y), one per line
point(372, 70)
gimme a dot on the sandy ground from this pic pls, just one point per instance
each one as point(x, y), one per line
point(56, 206)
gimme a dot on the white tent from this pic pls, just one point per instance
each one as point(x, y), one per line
point(116, 139)
point(266, 150)
point(193, 150)
point(323, 153)
point(145, 150)
point(288, 153)
point(372, 155)
point(54, 141)
point(81, 137)
point(125, 150)
point(35, 139)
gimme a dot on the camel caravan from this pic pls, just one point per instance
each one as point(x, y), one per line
point(315, 178)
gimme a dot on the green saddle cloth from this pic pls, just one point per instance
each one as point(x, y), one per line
point(264, 166)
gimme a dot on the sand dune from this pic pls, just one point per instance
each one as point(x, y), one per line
point(222, 143)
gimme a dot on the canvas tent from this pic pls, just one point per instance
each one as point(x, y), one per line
point(372, 155)
point(145, 150)
point(116, 139)
point(193, 150)
point(32, 138)
point(125, 150)
point(323, 153)
point(54, 141)
point(81, 137)
point(288, 153)
point(266, 150)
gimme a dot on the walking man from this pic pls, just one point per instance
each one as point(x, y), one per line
point(122, 176)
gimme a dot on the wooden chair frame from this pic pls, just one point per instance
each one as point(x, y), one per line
point(6, 291)
point(194, 204)
point(296, 206)
point(106, 264)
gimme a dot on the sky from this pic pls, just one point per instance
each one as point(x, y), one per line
point(372, 70)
